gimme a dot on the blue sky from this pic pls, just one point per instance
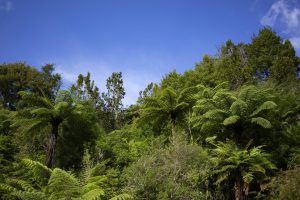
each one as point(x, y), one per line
point(145, 39)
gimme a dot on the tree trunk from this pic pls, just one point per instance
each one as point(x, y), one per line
point(239, 192)
point(51, 146)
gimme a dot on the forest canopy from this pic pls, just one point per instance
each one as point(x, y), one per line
point(227, 129)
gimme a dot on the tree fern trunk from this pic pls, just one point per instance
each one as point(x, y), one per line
point(51, 146)
point(239, 192)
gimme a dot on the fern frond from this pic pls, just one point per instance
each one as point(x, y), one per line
point(63, 185)
point(215, 114)
point(262, 122)
point(248, 177)
point(123, 196)
point(181, 106)
point(24, 185)
point(247, 92)
point(38, 171)
point(94, 194)
point(239, 107)
point(231, 120)
point(24, 195)
point(223, 85)
point(268, 105)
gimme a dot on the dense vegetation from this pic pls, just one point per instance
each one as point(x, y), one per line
point(227, 129)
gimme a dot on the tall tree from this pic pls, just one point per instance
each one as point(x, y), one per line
point(272, 57)
point(232, 65)
point(86, 90)
point(17, 77)
point(114, 96)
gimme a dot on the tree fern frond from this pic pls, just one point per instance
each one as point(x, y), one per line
point(204, 105)
point(36, 100)
point(257, 168)
point(239, 107)
point(188, 95)
point(247, 92)
point(222, 177)
point(24, 185)
point(151, 102)
point(208, 93)
point(265, 106)
point(6, 188)
point(224, 98)
point(262, 122)
point(42, 112)
point(181, 106)
point(215, 114)
point(94, 194)
point(223, 85)
point(123, 196)
point(63, 184)
point(168, 95)
point(231, 120)
point(24, 195)
point(39, 172)
point(248, 177)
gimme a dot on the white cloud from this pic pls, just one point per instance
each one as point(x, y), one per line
point(281, 10)
point(6, 6)
point(284, 14)
point(295, 42)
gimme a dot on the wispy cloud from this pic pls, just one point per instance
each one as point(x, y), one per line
point(285, 14)
point(6, 6)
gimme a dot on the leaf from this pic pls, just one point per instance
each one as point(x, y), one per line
point(63, 184)
point(239, 107)
point(268, 105)
point(223, 85)
point(262, 122)
point(123, 196)
point(93, 194)
point(215, 114)
point(231, 120)
point(248, 177)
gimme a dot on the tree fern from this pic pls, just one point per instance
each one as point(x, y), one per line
point(166, 107)
point(234, 115)
point(240, 164)
point(42, 112)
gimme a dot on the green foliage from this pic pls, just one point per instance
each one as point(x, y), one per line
point(167, 107)
point(238, 113)
point(59, 184)
point(62, 184)
point(8, 147)
point(272, 57)
point(16, 77)
point(113, 99)
point(286, 185)
point(177, 171)
point(241, 165)
point(122, 197)
point(234, 115)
